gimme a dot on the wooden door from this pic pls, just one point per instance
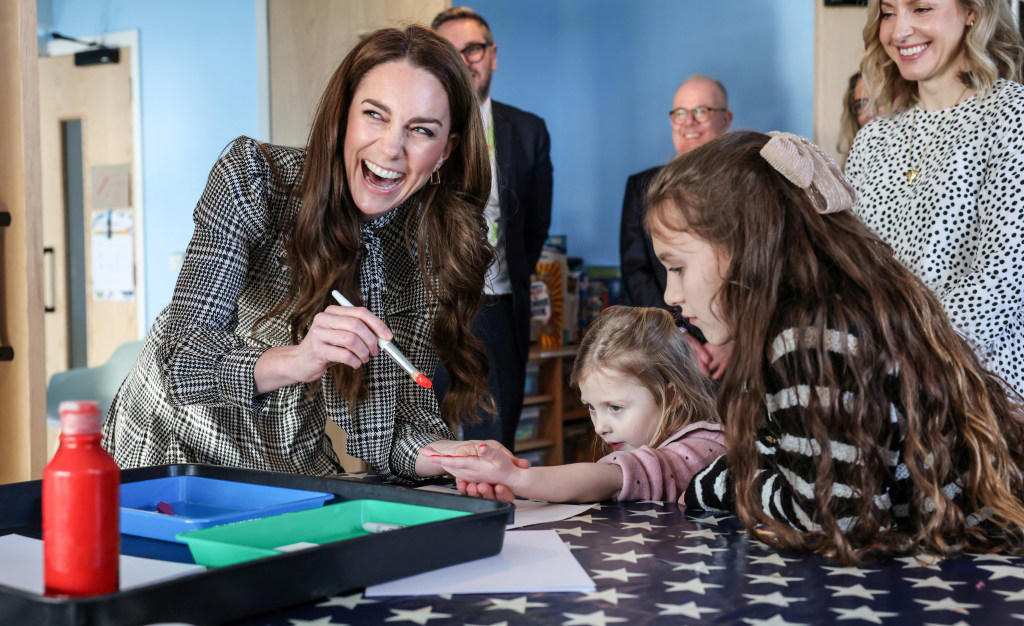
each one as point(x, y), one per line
point(99, 97)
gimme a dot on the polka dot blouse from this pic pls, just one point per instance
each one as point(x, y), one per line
point(960, 225)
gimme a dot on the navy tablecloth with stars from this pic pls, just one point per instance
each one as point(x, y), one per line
point(653, 564)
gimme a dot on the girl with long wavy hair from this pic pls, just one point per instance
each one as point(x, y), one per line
point(651, 407)
point(858, 423)
point(939, 175)
point(384, 204)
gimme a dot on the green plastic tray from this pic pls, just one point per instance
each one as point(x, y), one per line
point(218, 546)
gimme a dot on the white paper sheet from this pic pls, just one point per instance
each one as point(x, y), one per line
point(530, 561)
point(530, 512)
point(21, 566)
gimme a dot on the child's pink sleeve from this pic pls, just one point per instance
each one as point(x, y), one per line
point(664, 473)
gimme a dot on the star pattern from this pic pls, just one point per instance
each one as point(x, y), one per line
point(694, 585)
point(519, 605)
point(651, 564)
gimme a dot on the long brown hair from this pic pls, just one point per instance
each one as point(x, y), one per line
point(448, 231)
point(790, 267)
point(992, 49)
point(644, 342)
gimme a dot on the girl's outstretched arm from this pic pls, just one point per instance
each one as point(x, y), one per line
point(577, 482)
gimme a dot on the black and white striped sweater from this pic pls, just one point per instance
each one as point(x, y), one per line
point(788, 455)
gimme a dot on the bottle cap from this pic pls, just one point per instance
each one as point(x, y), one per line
point(80, 417)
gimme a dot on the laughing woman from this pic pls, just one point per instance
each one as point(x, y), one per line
point(385, 204)
point(940, 179)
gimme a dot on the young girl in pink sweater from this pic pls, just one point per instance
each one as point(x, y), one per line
point(650, 405)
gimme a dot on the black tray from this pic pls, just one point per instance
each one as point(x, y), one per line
point(227, 593)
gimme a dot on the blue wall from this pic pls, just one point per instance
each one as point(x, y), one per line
point(199, 86)
point(602, 74)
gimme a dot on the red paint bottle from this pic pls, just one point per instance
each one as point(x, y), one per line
point(81, 514)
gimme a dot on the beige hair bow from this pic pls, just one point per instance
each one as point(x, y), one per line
point(808, 167)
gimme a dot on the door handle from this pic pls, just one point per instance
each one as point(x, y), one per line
point(52, 291)
point(6, 351)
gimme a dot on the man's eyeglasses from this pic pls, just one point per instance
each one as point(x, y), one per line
point(700, 114)
point(475, 51)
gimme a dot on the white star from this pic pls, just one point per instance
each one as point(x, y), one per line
point(597, 618)
point(1003, 571)
point(616, 574)
point(774, 597)
point(865, 613)
point(927, 561)
point(999, 558)
point(1019, 616)
point(703, 533)
point(771, 579)
point(501, 623)
point(585, 519)
point(575, 532)
point(858, 591)
point(637, 538)
point(631, 556)
point(710, 519)
point(322, 621)
point(701, 548)
point(641, 525)
point(608, 595)
point(658, 502)
point(700, 567)
point(519, 605)
point(1012, 596)
point(947, 604)
point(349, 602)
point(934, 582)
point(759, 544)
point(693, 585)
point(420, 616)
point(960, 623)
point(772, 559)
point(573, 546)
point(774, 620)
point(690, 609)
point(847, 571)
point(650, 513)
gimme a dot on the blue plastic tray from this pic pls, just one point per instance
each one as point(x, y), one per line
point(198, 502)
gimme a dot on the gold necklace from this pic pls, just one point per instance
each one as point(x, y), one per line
point(914, 172)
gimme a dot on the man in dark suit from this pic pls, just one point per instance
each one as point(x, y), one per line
point(518, 215)
point(700, 112)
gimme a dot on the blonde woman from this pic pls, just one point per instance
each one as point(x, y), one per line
point(940, 177)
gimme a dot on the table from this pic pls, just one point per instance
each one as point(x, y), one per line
point(653, 564)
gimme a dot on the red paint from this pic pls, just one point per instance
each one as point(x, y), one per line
point(81, 515)
point(423, 381)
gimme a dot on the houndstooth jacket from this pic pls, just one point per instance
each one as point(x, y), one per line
point(191, 396)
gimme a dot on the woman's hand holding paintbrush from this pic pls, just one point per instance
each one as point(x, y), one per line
point(339, 334)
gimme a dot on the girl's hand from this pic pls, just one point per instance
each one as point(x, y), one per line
point(489, 474)
point(719, 358)
point(437, 451)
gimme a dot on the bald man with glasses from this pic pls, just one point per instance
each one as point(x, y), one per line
point(518, 214)
point(700, 112)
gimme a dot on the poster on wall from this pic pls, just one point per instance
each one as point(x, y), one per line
point(113, 255)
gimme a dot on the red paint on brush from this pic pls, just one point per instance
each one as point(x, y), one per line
point(423, 381)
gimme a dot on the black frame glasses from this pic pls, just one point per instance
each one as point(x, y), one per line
point(475, 51)
point(700, 114)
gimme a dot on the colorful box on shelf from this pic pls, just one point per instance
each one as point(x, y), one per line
point(194, 502)
point(529, 423)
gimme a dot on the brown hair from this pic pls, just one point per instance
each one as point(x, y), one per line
point(992, 50)
point(644, 342)
point(448, 231)
point(848, 122)
point(791, 267)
